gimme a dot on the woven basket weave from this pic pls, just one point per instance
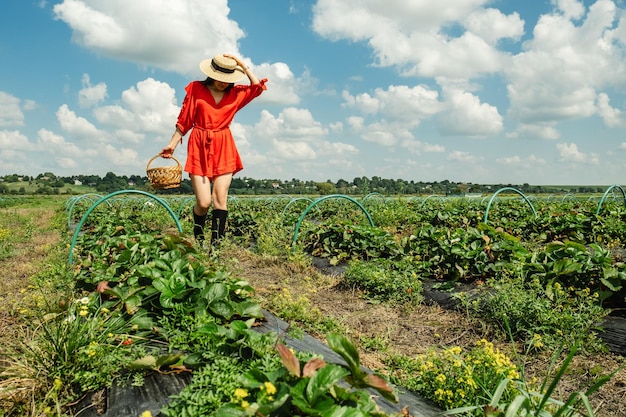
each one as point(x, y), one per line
point(164, 177)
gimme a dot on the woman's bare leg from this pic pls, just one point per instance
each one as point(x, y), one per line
point(221, 185)
point(202, 190)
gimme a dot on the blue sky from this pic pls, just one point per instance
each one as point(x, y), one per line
point(502, 91)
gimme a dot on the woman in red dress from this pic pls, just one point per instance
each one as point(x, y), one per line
point(208, 109)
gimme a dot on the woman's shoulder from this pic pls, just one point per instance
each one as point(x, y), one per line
point(193, 85)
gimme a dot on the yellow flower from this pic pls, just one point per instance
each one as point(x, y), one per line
point(83, 313)
point(245, 404)
point(105, 310)
point(241, 393)
point(146, 413)
point(513, 374)
point(58, 383)
point(441, 378)
point(439, 393)
point(271, 389)
point(456, 350)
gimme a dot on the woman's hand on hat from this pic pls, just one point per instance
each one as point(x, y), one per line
point(237, 60)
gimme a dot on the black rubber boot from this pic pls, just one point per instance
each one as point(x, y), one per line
point(218, 225)
point(198, 226)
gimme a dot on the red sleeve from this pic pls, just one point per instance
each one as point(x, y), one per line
point(250, 92)
point(186, 115)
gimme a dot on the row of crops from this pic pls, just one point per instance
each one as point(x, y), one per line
point(153, 300)
point(572, 243)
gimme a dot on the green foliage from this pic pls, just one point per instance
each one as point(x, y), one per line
point(385, 280)
point(299, 309)
point(543, 318)
point(84, 347)
point(464, 254)
point(537, 402)
point(577, 266)
point(454, 378)
point(345, 240)
point(213, 385)
point(155, 272)
point(312, 389)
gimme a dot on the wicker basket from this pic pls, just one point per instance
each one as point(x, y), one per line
point(164, 177)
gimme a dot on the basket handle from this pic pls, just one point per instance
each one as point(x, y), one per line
point(158, 155)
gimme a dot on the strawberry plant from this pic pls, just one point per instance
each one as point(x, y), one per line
point(341, 241)
point(310, 389)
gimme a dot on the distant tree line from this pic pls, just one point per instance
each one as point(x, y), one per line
point(48, 183)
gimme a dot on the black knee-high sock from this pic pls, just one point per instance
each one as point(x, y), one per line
point(218, 224)
point(198, 226)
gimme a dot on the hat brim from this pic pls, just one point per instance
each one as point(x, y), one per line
point(225, 77)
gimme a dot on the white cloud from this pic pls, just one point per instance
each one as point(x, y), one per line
point(283, 86)
point(569, 152)
point(509, 160)
point(15, 141)
point(612, 117)
point(545, 130)
point(572, 9)
point(466, 115)
point(417, 147)
point(337, 150)
point(492, 25)
point(415, 34)
point(78, 127)
point(150, 106)
point(91, 95)
point(11, 113)
point(54, 145)
point(293, 150)
point(563, 66)
point(395, 111)
point(291, 124)
point(172, 35)
point(461, 156)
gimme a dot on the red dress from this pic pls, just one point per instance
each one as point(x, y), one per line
point(211, 149)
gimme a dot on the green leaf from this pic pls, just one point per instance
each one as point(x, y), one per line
point(132, 304)
point(214, 292)
point(222, 309)
point(167, 360)
point(321, 382)
point(148, 362)
point(249, 309)
point(348, 352)
point(166, 300)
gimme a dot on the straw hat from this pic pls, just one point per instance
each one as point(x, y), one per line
point(223, 69)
